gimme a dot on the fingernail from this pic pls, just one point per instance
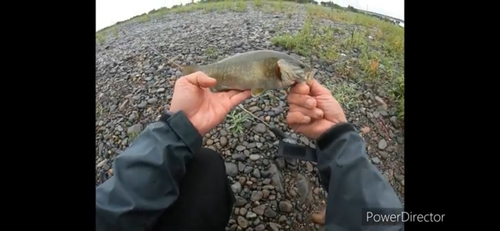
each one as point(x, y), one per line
point(307, 119)
point(319, 113)
point(310, 103)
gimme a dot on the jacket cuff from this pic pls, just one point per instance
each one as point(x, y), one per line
point(334, 133)
point(181, 125)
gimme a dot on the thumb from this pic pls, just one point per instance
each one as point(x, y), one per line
point(317, 89)
point(200, 79)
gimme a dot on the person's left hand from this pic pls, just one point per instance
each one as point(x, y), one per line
point(204, 108)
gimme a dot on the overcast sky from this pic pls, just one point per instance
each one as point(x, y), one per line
point(108, 12)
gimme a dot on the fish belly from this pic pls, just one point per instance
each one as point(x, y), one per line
point(240, 82)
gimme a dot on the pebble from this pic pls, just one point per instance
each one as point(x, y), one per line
point(259, 210)
point(256, 195)
point(285, 206)
point(242, 222)
point(231, 169)
point(270, 213)
point(382, 144)
point(236, 187)
point(254, 157)
point(134, 129)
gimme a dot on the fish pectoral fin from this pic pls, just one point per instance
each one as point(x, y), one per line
point(257, 91)
point(186, 70)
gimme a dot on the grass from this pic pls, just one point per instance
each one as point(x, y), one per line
point(211, 52)
point(345, 93)
point(235, 119)
point(360, 47)
point(371, 51)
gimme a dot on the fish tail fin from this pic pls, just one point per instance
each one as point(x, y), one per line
point(190, 69)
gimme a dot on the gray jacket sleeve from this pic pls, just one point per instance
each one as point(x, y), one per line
point(146, 175)
point(352, 182)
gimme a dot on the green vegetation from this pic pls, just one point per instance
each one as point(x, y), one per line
point(370, 51)
point(211, 52)
point(362, 48)
point(236, 118)
point(345, 93)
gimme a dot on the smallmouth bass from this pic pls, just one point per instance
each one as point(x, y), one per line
point(258, 71)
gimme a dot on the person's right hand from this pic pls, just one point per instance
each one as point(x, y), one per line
point(313, 110)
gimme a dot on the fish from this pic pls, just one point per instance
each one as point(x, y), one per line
point(258, 71)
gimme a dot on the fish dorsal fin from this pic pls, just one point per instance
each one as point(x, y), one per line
point(257, 91)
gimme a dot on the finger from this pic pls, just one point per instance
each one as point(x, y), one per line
point(317, 89)
point(300, 88)
point(314, 113)
point(239, 97)
point(232, 93)
point(302, 100)
point(297, 118)
point(200, 79)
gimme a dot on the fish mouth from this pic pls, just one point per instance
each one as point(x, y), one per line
point(310, 76)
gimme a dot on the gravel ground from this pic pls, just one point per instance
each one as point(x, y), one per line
point(134, 84)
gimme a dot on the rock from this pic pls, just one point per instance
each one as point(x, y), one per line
point(376, 160)
point(100, 164)
point(381, 102)
point(304, 188)
point(240, 201)
point(231, 169)
point(240, 148)
point(241, 166)
point(265, 193)
point(260, 128)
point(304, 140)
point(285, 206)
point(270, 213)
point(254, 157)
point(256, 195)
point(259, 210)
point(276, 178)
point(309, 167)
point(142, 104)
point(319, 217)
point(243, 211)
point(365, 130)
point(274, 226)
point(134, 129)
point(152, 100)
point(242, 222)
point(223, 141)
point(256, 173)
point(236, 187)
point(260, 227)
point(239, 157)
point(382, 144)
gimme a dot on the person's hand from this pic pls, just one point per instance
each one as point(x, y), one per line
point(204, 108)
point(313, 110)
